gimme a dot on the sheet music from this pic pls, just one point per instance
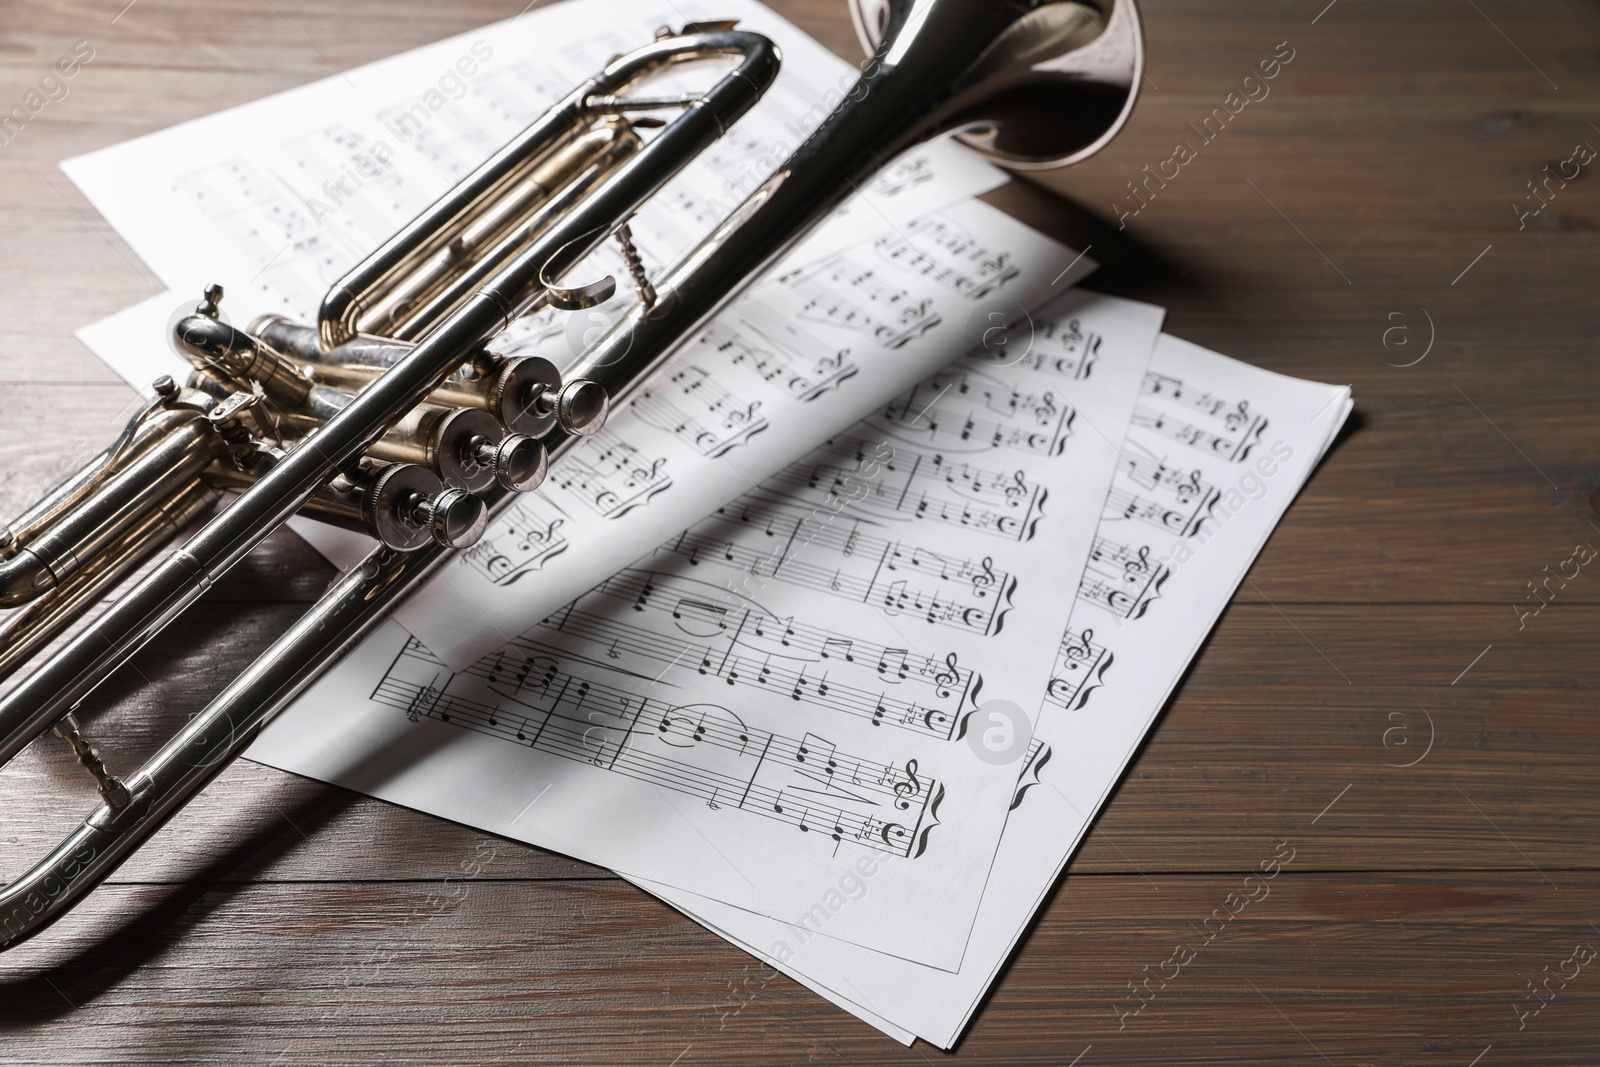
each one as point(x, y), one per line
point(800, 358)
point(773, 706)
point(1187, 515)
point(276, 199)
point(286, 193)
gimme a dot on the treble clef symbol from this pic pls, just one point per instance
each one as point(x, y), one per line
point(1046, 411)
point(947, 676)
point(908, 788)
point(1080, 649)
point(983, 579)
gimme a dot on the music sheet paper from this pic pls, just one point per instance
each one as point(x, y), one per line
point(278, 198)
point(286, 193)
point(1216, 452)
point(772, 707)
point(794, 361)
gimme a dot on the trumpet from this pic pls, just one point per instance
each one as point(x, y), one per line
point(391, 415)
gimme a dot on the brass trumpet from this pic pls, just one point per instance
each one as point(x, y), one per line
point(391, 416)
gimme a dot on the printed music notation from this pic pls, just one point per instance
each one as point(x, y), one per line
point(963, 410)
point(940, 251)
point(301, 257)
point(1033, 762)
point(700, 750)
point(1237, 431)
point(610, 476)
point(848, 557)
point(520, 542)
point(699, 411)
point(839, 291)
point(904, 175)
point(1081, 665)
point(1122, 579)
point(1180, 501)
point(795, 361)
point(683, 628)
point(1061, 349)
point(913, 486)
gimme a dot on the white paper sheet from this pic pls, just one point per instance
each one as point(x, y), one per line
point(795, 361)
point(774, 706)
point(798, 360)
point(1217, 451)
point(276, 199)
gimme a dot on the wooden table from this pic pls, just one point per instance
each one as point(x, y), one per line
point(1358, 220)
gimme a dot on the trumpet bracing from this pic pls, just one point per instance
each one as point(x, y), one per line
point(391, 416)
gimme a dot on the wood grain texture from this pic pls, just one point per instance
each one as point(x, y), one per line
point(280, 921)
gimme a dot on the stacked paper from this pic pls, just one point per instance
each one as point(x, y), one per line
point(796, 647)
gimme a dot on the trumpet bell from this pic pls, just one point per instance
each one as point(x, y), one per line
point(1061, 82)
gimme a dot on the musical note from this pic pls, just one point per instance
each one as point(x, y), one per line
point(964, 411)
point(1081, 665)
point(839, 292)
point(794, 361)
point(938, 250)
point(525, 538)
point(692, 406)
point(609, 476)
point(1121, 578)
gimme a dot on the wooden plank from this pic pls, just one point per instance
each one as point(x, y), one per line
point(477, 969)
point(283, 921)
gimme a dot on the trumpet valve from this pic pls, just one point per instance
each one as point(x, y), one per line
point(405, 506)
point(455, 518)
point(519, 462)
point(582, 406)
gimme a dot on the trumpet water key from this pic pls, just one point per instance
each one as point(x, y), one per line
point(391, 416)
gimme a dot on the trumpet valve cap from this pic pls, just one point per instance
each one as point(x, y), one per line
point(520, 463)
point(455, 518)
point(582, 407)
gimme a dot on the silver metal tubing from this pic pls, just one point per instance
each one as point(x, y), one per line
point(157, 473)
point(939, 63)
point(353, 295)
point(36, 624)
point(436, 287)
point(178, 580)
point(143, 430)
